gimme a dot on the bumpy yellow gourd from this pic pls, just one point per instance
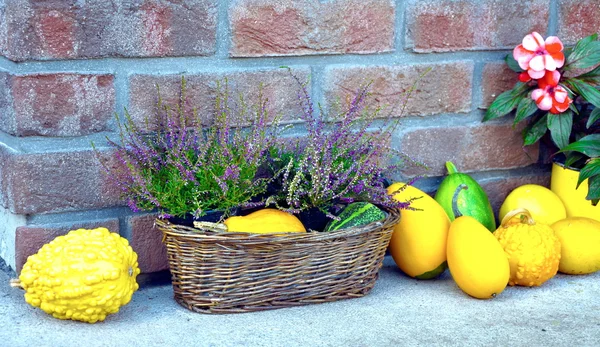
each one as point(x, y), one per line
point(84, 275)
point(265, 221)
point(533, 249)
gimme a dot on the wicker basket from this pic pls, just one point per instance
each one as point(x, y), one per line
point(216, 272)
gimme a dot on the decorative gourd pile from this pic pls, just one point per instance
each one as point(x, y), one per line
point(84, 275)
point(89, 274)
point(483, 260)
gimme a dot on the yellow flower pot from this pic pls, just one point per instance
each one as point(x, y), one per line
point(563, 183)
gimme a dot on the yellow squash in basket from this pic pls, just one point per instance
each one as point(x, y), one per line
point(265, 221)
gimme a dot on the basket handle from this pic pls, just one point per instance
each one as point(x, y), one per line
point(16, 283)
point(219, 227)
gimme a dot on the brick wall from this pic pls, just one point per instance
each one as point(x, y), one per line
point(67, 66)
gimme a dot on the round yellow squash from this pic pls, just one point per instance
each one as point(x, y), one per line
point(265, 221)
point(84, 275)
point(542, 203)
point(580, 245)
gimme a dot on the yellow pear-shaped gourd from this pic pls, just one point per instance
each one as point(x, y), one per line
point(476, 260)
point(418, 244)
point(265, 221)
point(84, 275)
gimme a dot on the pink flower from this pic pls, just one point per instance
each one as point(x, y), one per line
point(550, 96)
point(537, 56)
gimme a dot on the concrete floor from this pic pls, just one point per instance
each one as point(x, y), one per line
point(399, 311)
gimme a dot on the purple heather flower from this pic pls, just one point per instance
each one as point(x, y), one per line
point(132, 205)
point(343, 160)
point(231, 173)
point(175, 168)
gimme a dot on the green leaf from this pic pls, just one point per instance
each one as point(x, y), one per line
point(585, 41)
point(567, 51)
point(573, 108)
point(503, 105)
point(584, 55)
point(506, 102)
point(526, 108)
point(573, 157)
point(594, 190)
point(580, 44)
point(535, 131)
point(588, 145)
point(594, 116)
point(592, 168)
point(512, 63)
point(589, 93)
point(560, 126)
point(591, 77)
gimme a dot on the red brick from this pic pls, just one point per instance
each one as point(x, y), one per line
point(301, 27)
point(446, 88)
point(146, 241)
point(279, 88)
point(498, 189)
point(155, 19)
point(447, 25)
point(55, 182)
point(497, 78)
point(577, 19)
point(60, 104)
point(29, 239)
point(470, 148)
point(57, 29)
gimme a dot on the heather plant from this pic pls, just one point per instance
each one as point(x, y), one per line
point(188, 167)
point(344, 157)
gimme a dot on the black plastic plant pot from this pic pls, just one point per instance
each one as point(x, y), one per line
point(313, 219)
point(210, 216)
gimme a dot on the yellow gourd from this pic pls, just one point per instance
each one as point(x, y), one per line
point(84, 275)
point(265, 221)
point(533, 249)
point(418, 244)
point(580, 245)
point(476, 260)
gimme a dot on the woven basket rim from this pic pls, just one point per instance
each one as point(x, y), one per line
point(181, 231)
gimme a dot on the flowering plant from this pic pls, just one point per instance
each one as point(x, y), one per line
point(343, 158)
point(186, 167)
point(240, 159)
point(557, 93)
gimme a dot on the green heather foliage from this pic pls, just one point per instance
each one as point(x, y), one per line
point(242, 159)
point(344, 157)
point(186, 167)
